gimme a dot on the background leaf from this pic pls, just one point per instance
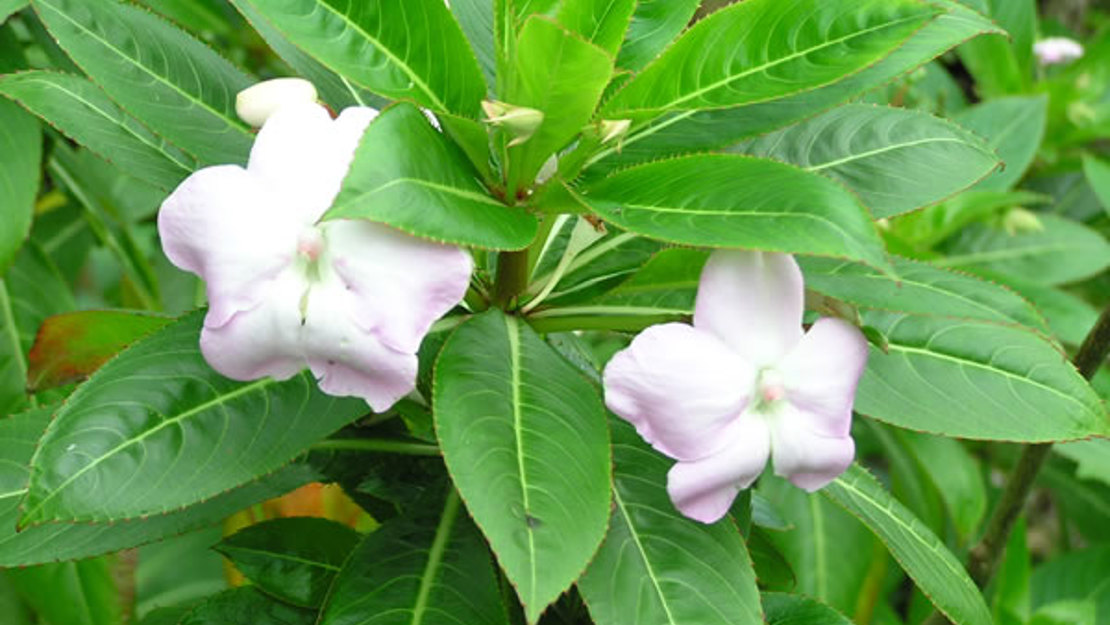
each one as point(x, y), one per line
point(654, 25)
point(20, 156)
point(784, 609)
point(601, 22)
point(246, 606)
point(1014, 127)
point(74, 593)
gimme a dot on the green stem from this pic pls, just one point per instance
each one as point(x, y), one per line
point(512, 277)
point(618, 323)
point(378, 444)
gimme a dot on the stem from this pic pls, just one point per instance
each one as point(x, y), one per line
point(619, 323)
point(512, 277)
point(378, 444)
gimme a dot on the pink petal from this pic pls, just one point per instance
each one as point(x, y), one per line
point(263, 341)
point(802, 454)
point(304, 155)
point(704, 489)
point(400, 284)
point(347, 359)
point(753, 302)
point(821, 374)
point(224, 226)
point(680, 387)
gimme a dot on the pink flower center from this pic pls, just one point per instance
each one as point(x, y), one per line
point(770, 387)
point(310, 243)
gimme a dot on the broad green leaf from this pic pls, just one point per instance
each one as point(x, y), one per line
point(784, 609)
point(525, 440)
point(401, 49)
point(771, 568)
point(78, 108)
point(1076, 575)
point(70, 346)
point(1067, 612)
point(873, 150)
point(559, 74)
point(180, 571)
point(1084, 503)
point(925, 228)
point(922, 555)
point(10, 7)
point(920, 289)
point(432, 568)
point(775, 49)
point(1058, 252)
point(203, 17)
point(1013, 127)
point(738, 201)
point(246, 606)
point(20, 435)
point(1010, 600)
point(956, 476)
point(475, 17)
point(429, 190)
point(160, 420)
point(1092, 458)
point(655, 24)
point(294, 560)
point(601, 22)
point(1098, 176)
point(907, 482)
point(158, 73)
point(333, 89)
point(653, 557)
point(686, 131)
point(1069, 316)
point(1004, 65)
point(972, 379)
point(73, 593)
point(20, 156)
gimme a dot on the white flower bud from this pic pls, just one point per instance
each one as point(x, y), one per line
point(1056, 50)
point(257, 103)
point(520, 121)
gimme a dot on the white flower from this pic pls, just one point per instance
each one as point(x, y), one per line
point(349, 299)
point(741, 385)
point(1056, 50)
point(257, 103)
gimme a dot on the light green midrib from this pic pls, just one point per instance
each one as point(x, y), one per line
point(280, 556)
point(201, 103)
point(416, 80)
point(12, 332)
point(32, 511)
point(518, 432)
point(462, 193)
point(643, 556)
point(889, 148)
point(435, 556)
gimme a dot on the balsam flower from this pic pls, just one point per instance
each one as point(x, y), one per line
point(1055, 50)
point(741, 385)
point(349, 299)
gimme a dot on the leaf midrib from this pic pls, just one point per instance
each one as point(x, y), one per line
point(518, 436)
point(461, 193)
point(435, 556)
point(279, 556)
point(644, 557)
point(905, 145)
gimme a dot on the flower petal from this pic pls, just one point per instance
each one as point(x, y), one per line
point(304, 155)
point(204, 226)
point(821, 375)
point(348, 360)
point(802, 454)
point(400, 284)
point(753, 302)
point(704, 489)
point(680, 387)
point(263, 341)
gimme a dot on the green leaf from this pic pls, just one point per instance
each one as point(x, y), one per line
point(246, 606)
point(956, 476)
point(70, 346)
point(922, 555)
point(80, 110)
point(1077, 575)
point(429, 191)
point(771, 568)
point(10, 7)
point(1010, 600)
point(870, 150)
point(156, 72)
point(738, 201)
point(401, 49)
point(74, 593)
point(20, 156)
point(525, 440)
point(605, 264)
point(971, 379)
point(784, 609)
point(925, 228)
point(1069, 316)
point(430, 568)
point(475, 17)
point(1097, 172)
point(686, 131)
point(62, 541)
point(653, 556)
point(1013, 127)
point(1003, 65)
point(559, 74)
point(1092, 458)
point(1060, 251)
point(158, 419)
point(294, 560)
point(601, 22)
point(655, 24)
point(778, 49)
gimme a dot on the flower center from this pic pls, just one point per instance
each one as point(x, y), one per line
point(770, 389)
point(310, 243)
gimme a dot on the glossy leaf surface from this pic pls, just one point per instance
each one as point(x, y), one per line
point(525, 441)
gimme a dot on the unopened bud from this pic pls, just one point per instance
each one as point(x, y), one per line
point(614, 129)
point(1021, 221)
point(1055, 50)
point(520, 121)
point(257, 103)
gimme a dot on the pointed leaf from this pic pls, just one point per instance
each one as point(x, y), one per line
point(401, 49)
point(784, 609)
point(20, 156)
point(475, 17)
point(655, 24)
point(653, 556)
point(159, 420)
point(601, 22)
point(158, 73)
point(525, 440)
point(1014, 128)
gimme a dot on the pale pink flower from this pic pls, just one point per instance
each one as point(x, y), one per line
point(349, 299)
point(744, 383)
point(1055, 50)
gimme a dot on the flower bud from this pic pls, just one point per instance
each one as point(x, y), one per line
point(520, 121)
point(611, 129)
point(1055, 50)
point(257, 103)
point(1020, 221)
